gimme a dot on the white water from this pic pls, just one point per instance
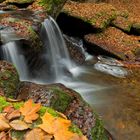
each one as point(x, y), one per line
point(11, 53)
point(57, 55)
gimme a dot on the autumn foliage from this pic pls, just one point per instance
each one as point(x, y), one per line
point(28, 120)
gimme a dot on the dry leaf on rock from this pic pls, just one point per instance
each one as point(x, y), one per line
point(62, 115)
point(13, 115)
point(3, 123)
point(19, 125)
point(3, 136)
point(57, 126)
point(13, 100)
point(29, 110)
point(37, 134)
point(8, 109)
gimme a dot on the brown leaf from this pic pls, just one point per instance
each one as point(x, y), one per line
point(13, 115)
point(2, 135)
point(29, 111)
point(5, 136)
point(37, 134)
point(3, 123)
point(19, 125)
point(8, 109)
point(13, 100)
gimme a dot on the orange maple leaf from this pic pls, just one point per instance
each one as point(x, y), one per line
point(29, 111)
point(59, 127)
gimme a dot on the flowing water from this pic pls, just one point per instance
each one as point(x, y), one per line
point(12, 53)
point(57, 55)
point(103, 85)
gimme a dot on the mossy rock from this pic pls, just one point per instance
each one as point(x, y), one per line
point(115, 43)
point(122, 23)
point(19, 1)
point(23, 28)
point(70, 103)
point(16, 105)
point(9, 79)
point(51, 7)
point(99, 15)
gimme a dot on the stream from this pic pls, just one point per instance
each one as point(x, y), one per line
point(103, 84)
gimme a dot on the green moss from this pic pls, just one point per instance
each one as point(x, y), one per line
point(20, 1)
point(18, 134)
point(75, 129)
point(3, 103)
point(51, 6)
point(18, 105)
point(98, 132)
point(60, 100)
point(34, 37)
point(49, 110)
point(9, 80)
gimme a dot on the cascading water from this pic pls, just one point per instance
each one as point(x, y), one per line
point(57, 55)
point(11, 53)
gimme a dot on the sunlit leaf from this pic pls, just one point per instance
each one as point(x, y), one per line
point(37, 134)
point(3, 123)
point(29, 110)
point(19, 125)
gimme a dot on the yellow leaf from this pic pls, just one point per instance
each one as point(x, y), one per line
point(3, 123)
point(29, 110)
point(19, 125)
point(59, 127)
point(37, 134)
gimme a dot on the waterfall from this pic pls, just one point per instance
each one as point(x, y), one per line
point(57, 55)
point(12, 53)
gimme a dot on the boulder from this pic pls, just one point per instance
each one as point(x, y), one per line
point(99, 15)
point(9, 79)
point(75, 48)
point(68, 102)
point(114, 42)
point(25, 28)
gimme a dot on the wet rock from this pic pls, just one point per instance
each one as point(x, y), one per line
point(75, 49)
point(115, 42)
point(25, 27)
point(98, 15)
point(9, 79)
point(68, 102)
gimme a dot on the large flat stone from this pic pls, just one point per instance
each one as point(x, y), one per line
point(115, 42)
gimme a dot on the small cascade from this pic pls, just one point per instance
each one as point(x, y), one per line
point(12, 53)
point(57, 55)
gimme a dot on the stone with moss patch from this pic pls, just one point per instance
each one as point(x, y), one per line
point(9, 79)
point(69, 102)
point(98, 15)
point(122, 23)
point(19, 1)
point(114, 42)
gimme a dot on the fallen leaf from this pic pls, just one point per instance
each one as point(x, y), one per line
point(13, 100)
point(37, 134)
point(62, 115)
point(29, 111)
point(13, 115)
point(19, 125)
point(2, 135)
point(3, 123)
point(59, 127)
point(8, 109)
